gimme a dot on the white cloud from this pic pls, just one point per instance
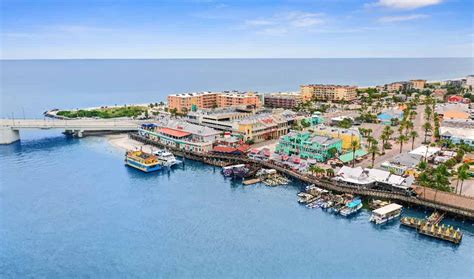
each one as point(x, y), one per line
point(405, 4)
point(283, 23)
point(402, 18)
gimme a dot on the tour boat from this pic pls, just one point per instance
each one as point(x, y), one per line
point(143, 161)
point(352, 207)
point(167, 158)
point(386, 213)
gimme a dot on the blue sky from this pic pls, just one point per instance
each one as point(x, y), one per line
point(38, 29)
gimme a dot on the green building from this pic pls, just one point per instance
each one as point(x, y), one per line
point(308, 145)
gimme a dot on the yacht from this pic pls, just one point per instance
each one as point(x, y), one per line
point(167, 158)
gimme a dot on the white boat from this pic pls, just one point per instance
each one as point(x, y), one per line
point(351, 208)
point(386, 213)
point(167, 158)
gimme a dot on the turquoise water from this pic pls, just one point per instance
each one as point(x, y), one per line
point(70, 208)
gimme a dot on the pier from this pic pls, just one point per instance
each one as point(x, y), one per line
point(220, 159)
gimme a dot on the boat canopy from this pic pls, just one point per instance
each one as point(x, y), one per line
point(387, 209)
point(354, 203)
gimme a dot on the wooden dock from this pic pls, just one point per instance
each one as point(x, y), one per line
point(252, 181)
point(221, 160)
point(431, 227)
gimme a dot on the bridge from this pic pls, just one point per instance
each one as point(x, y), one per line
point(10, 128)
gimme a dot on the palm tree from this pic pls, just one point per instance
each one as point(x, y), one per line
point(374, 149)
point(413, 135)
point(354, 145)
point(314, 169)
point(401, 139)
point(463, 175)
point(384, 139)
point(427, 127)
point(330, 172)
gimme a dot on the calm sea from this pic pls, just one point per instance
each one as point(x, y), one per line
point(70, 208)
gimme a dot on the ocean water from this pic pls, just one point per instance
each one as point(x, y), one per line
point(70, 208)
point(29, 88)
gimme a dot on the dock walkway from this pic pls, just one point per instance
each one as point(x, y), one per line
point(219, 159)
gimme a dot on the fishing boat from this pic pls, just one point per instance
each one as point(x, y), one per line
point(143, 161)
point(351, 207)
point(386, 213)
point(167, 158)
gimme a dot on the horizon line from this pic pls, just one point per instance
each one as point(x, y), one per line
point(235, 58)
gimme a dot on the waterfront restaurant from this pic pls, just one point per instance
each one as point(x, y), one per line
point(181, 135)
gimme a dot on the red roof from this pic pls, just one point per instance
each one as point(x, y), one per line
point(224, 149)
point(255, 151)
point(244, 148)
point(174, 132)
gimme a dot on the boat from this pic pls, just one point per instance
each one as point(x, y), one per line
point(143, 161)
point(167, 158)
point(386, 213)
point(235, 170)
point(351, 207)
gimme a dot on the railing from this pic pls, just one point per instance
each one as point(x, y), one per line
point(326, 184)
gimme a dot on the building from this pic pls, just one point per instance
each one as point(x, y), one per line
point(282, 100)
point(253, 125)
point(347, 136)
point(426, 152)
point(180, 134)
point(439, 93)
point(453, 111)
point(457, 135)
point(398, 86)
point(373, 178)
point(186, 102)
point(402, 163)
point(387, 115)
point(329, 92)
point(418, 84)
point(309, 146)
point(470, 81)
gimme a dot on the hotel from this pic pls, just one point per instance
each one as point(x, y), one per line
point(186, 102)
point(329, 92)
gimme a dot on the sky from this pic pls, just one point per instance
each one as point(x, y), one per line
point(79, 29)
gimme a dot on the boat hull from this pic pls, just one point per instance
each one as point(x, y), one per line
point(142, 167)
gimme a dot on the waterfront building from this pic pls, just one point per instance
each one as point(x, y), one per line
point(180, 134)
point(418, 84)
point(186, 102)
point(329, 92)
point(402, 164)
point(373, 178)
point(286, 100)
point(347, 136)
point(308, 145)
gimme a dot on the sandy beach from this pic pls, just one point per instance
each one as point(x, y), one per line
point(122, 141)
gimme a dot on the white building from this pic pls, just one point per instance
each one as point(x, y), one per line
point(368, 178)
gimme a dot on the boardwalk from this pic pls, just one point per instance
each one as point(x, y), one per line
point(465, 209)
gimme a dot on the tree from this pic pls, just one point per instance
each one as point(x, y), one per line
point(314, 169)
point(413, 135)
point(354, 146)
point(427, 127)
point(332, 152)
point(373, 149)
point(402, 139)
point(330, 172)
point(462, 175)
